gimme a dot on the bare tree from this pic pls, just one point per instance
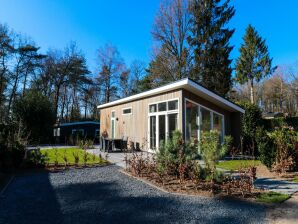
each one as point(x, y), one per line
point(137, 72)
point(171, 29)
point(6, 49)
point(110, 68)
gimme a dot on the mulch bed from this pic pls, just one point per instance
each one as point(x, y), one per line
point(188, 187)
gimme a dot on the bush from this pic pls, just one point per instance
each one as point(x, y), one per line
point(212, 151)
point(250, 121)
point(286, 143)
point(175, 157)
point(271, 124)
point(36, 159)
point(36, 113)
point(12, 145)
point(266, 147)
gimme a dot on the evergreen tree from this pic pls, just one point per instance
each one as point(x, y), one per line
point(210, 41)
point(254, 62)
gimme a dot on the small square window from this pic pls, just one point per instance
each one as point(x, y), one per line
point(162, 106)
point(152, 108)
point(173, 105)
point(126, 111)
point(113, 113)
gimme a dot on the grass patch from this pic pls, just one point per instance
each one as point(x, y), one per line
point(272, 197)
point(69, 152)
point(234, 165)
point(295, 180)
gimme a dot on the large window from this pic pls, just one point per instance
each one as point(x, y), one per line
point(218, 125)
point(191, 130)
point(199, 119)
point(172, 123)
point(163, 120)
point(205, 119)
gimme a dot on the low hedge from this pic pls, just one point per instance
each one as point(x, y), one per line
point(270, 124)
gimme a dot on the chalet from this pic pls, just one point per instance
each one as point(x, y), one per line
point(149, 117)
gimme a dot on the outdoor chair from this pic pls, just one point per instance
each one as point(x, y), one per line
point(124, 143)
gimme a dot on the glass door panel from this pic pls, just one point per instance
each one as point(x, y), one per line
point(191, 121)
point(113, 128)
point(162, 127)
point(152, 132)
point(172, 123)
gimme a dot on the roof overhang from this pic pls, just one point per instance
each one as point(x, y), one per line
point(186, 84)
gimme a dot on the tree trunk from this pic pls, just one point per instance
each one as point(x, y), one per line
point(63, 103)
point(13, 91)
point(57, 100)
point(86, 105)
point(252, 98)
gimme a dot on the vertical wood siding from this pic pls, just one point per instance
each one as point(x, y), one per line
point(135, 125)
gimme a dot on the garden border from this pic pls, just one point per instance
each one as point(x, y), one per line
point(162, 189)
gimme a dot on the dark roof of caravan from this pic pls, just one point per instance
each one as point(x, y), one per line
point(78, 123)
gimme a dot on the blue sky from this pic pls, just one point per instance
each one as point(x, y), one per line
point(127, 25)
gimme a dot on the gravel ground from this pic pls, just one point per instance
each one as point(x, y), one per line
point(104, 195)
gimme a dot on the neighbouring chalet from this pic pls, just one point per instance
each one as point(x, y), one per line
point(69, 133)
point(149, 117)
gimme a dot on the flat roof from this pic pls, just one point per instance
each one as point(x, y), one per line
point(78, 123)
point(186, 84)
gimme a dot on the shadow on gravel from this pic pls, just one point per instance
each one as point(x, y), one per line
point(33, 199)
point(30, 199)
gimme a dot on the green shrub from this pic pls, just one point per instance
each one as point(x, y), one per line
point(212, 150)
point(272, 124)
point(175, 152)
point(266, 147)
point(250, 121)
point(12, 144)
point(286, 142)
point(37, 114)
point(36, 159)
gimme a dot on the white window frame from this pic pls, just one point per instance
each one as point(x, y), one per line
point(200, 118)
point(126, 109)
point(113, 118)
point(58, 132)
point(156, 114)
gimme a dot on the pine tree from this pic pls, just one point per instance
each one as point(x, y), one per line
point(210, 41)
point(254, 62)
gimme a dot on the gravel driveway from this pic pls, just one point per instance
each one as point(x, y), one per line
point(104, 195)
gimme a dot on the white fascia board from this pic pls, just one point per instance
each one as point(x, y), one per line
point(176, 85)
point(215, 96)
point(172, 86)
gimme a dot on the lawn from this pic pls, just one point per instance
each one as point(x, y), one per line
point(272, 197)
point(295, 180)
point(234, 165)
point(69, 153)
